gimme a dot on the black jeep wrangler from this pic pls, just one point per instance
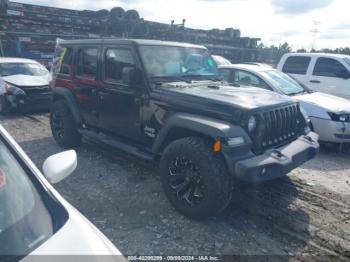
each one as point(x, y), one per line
point(165, 101)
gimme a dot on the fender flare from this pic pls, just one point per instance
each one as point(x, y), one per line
point(210, 127)
point(71, 101)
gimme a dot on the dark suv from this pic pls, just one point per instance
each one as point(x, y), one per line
point(165, 101)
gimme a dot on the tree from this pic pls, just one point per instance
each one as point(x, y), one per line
point(302, 50)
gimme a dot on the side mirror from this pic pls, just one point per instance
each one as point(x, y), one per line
point(347, 75)
point(59, 166)
point(131, 76)
point(343, 74)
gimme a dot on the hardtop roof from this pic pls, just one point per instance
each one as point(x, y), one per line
point(123, 41)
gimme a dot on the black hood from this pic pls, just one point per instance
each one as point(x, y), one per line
point(245, 98)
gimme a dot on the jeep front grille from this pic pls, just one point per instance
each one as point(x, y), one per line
point(277, 127)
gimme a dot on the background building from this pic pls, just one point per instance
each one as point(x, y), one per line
point(31, 31)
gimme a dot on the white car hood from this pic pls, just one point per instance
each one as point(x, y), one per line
point(78, 236)
point(328, 102)
point(25, 80)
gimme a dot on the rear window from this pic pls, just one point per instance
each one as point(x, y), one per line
point(87, 62)
point(296, 65)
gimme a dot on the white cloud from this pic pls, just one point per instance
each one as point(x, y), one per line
point(255, 18)
point(299, 6)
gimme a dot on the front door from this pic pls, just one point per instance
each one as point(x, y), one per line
point(119, 103)
point(330, 76)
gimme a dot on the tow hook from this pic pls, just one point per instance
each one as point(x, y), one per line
point(308, 138)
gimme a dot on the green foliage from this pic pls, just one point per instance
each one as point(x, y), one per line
point(341, 50)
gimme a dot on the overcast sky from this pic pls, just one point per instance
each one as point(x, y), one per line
point(275, 21)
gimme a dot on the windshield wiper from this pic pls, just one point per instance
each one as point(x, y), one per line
point(164, 79)
point(298, 93)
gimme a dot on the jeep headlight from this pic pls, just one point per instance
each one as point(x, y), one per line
point(252, 123)
point(339, 117)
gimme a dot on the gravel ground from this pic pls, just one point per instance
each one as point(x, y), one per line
point(306, 213)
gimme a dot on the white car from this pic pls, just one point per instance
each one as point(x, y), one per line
point(329, 115)
point(27, 84)
point(220, 60)
point(34, 218)
point(327, 73)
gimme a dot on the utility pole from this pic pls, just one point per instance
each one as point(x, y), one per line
point(1, 48)
point(315, 31)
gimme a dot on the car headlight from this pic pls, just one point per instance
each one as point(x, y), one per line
point(14, 90)
point(340, 117)
point(252, 123)
point(343, 118)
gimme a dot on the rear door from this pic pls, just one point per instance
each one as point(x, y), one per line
point(299, 67)
point(86, 82)
point(329, 76)
point(119, 104)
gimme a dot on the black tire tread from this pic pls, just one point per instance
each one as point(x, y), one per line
point(218, 171)
point(72, 137)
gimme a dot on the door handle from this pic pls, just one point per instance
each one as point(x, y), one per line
point(315, 81)
point(103, 93)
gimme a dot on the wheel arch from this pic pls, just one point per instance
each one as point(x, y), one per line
point(182, 125)
point(61, 93)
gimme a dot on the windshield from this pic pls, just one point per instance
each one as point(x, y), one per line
point(30, 69)
point(25, 222)
point(172, 63)
point(283, 82)
point(347, 60)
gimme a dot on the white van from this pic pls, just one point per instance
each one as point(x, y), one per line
point(327, 73)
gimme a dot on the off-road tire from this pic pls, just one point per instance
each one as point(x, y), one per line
point(68, 137)
point(217, 183)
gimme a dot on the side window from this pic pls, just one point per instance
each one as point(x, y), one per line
point(329, 67)
point(67, 61)
point(87, 62)
point(226, 74)
point(115, 61)
point(296, 65)
point(248, 79)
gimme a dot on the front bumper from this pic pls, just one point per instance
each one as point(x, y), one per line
point(278, 162)
point(331, 131)
point(37, 101)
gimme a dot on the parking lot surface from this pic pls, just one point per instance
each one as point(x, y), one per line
point(306, 213)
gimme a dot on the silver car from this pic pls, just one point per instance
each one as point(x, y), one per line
point(329, 115)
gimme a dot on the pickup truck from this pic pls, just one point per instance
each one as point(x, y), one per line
point(327, 73)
